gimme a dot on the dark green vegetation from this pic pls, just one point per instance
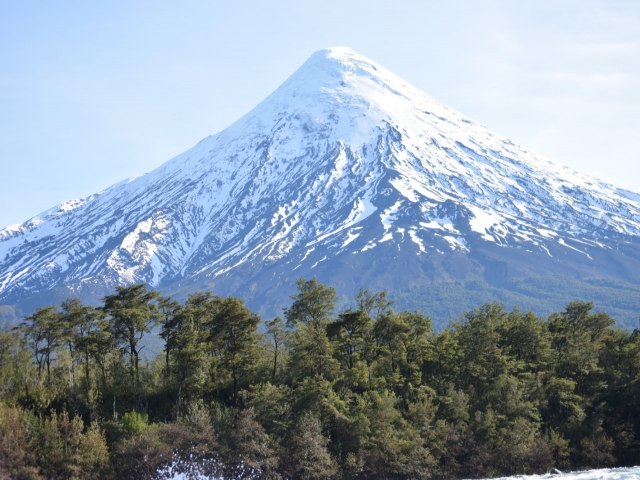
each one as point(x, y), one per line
point(542, 295)
point(364, 393)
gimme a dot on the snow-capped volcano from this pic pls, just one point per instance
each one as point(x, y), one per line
point(346, 172)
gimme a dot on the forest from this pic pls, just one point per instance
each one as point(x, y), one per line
point(363, 393)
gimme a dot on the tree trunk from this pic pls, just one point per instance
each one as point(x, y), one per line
point(86, 372)
point(137, 367)
point(275, 365)
point(72, 371)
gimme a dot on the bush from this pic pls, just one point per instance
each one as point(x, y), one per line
point(16, 457)
point(168, 448)
point(65, 450)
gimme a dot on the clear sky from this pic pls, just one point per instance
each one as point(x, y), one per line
point(95, 92)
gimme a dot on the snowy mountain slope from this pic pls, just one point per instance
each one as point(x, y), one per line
point(344, 169)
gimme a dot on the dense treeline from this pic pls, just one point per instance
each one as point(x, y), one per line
point(364, 393)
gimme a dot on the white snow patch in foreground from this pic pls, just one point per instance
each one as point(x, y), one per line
point(190, 469)
point(630, 473)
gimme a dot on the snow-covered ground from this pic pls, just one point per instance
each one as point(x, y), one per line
point(632, 473)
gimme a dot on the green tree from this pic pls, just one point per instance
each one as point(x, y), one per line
point(134, 311)
point(354, 347)
point(484, 357)
point(186, 335)
point(43, 329)
point(171, 320)
point(350, 332)
point(86, 333)
point(312, 305)
point(393, 449)
point(311, 353)
point(17, 456)
point(278, 335)
point(272, 406)
point(18, 375)
point(67, 450)
point(404, 347)
point(234, 339)
point(307, 454)
point(374, 305)
point(250, 453)
point(578, 336)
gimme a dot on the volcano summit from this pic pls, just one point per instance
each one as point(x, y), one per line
point(347, 173)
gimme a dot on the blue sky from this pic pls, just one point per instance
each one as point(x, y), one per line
point(95, 92)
